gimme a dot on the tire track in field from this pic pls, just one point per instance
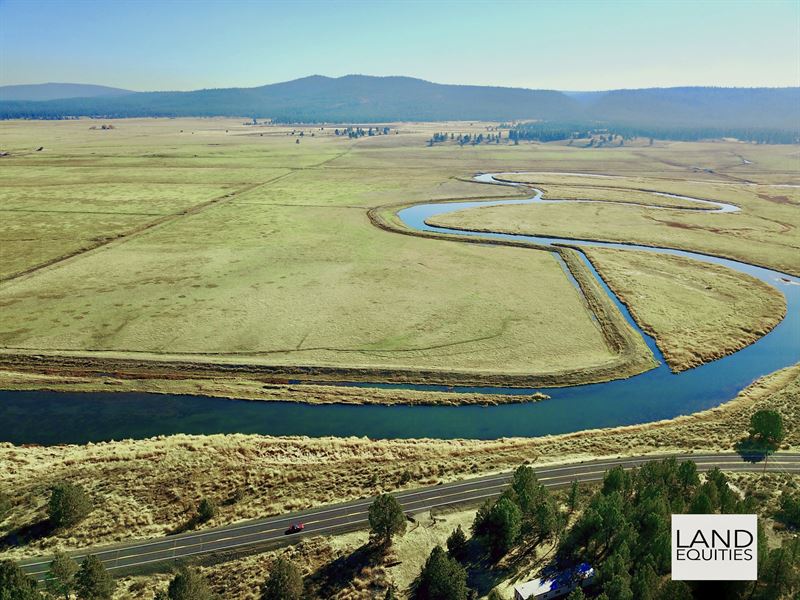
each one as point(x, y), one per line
point(137, 231)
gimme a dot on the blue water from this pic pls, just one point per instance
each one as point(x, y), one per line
point(55, 417)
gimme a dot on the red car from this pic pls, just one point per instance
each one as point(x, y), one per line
point(295, 528)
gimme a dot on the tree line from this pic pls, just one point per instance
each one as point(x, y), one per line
point(463, 139)
point(549, 131)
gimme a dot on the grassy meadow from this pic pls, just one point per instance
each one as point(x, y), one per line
point(233, 243)
point(209, 240)
point(696, 311)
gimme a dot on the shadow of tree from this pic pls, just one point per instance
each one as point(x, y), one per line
point(485, 572)
point(753, 450)
point(335, 576)
point(188, 525)
point(26, 534)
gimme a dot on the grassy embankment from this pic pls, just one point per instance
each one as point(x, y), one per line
point(145, 488)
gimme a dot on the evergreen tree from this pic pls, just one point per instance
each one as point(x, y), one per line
point(790, 509)
point(616, 480)
point(619, 587)
point(645, 582)
point(574, 496)
point(442, 578)
point(62, 575)
point(206, 510)
point(457, 543)
point(499, 526)
point(674, 590)
point(701, 504)
point(93, 582)
point(386, 518)
point(687, 476)
point(189, 585)
point(766, 426)
point(16, 585)
point(285, 582)
point(780, 575)
point(69, 504)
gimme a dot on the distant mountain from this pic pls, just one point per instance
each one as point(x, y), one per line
point(317, 98)
point(57, 91)
point(359, 98)
point(709, 106)
point(584, 97)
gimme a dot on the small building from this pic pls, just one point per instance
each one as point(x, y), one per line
point(555, 587)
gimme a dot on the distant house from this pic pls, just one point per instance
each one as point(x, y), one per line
point(555, 587)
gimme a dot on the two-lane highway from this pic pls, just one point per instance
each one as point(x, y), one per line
point(354, 515)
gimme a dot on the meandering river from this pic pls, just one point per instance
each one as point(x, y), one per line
point(61, 417)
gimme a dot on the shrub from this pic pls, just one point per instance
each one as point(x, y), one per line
point(285, 582)
point(5, 505)
point(206, 510)
point(188, 585)
point(69, 504)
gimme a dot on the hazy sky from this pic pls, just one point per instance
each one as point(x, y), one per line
point(182, 44)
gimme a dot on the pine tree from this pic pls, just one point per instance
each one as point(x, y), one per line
point(69, 504)
point(457, 543)
point(189, 585)
point(386, 518)
point(93, 582)
point(62, 575)
point(442, 578)
point(16, 585)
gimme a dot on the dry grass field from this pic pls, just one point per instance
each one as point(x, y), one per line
point(238, 247)
point(696, 311)
point(208, 240)
point(145, 488)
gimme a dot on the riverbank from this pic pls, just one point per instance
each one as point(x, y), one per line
point(245, 388)
point(145, 488)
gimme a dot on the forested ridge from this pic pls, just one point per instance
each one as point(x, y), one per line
point(757, 114)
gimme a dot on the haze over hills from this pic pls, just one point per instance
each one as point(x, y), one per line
point(58, 91)
point(360, 98)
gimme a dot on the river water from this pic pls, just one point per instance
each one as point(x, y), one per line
point(61, 417)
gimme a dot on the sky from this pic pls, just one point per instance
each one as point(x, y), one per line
point(566, 45)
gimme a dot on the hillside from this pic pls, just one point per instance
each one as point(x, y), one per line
point(317, 98)
point(359, 98)
point(57, 91)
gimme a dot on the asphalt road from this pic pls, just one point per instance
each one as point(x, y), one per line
point(353, 515)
